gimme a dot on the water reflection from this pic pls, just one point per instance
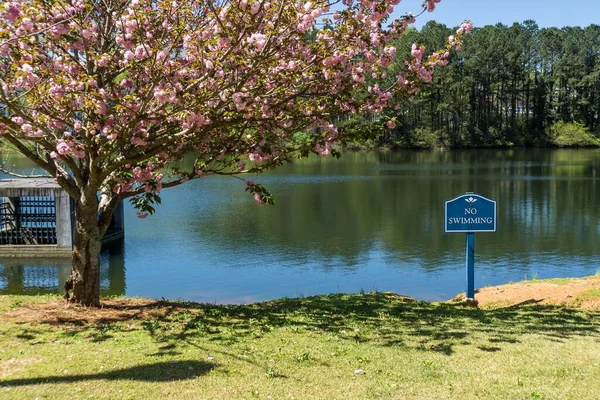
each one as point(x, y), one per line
point(41, 276)
point(398, 204)
point(372, 220)
point(27, 276)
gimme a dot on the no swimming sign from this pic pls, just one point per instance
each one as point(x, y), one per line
point(470, 213)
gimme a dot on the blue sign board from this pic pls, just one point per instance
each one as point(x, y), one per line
point(470, 213)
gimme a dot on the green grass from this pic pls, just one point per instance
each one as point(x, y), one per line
point(590, 294)
point(13, 302)
point(556, 281)
point(364, 346)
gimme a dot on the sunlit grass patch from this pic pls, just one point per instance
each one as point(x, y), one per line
point(591, 294)
point(556, 281)
point(12, 302)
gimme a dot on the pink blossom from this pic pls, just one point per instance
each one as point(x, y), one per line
point(12, 11)
point(256, 157)
point(140, 52)
point(389, 51)
point(141, 215)
point(136, 141)
point(162, 55)
point(126, 83)
point(237, 97)
point(431, 5)
point(465, 27)
point(77, 152)
point(258, 199)
point(417, 52)
point(62, 147)
point(391, 124)
point(27, 128)
point(161, 96)
point(103, 61)
point(4, 49)
point(258, 40)
point(137, 173)
point(27, 68)
point(86, 33)
point(100, 107)
point(425, 74)
point(323, 150)
point(27, 24)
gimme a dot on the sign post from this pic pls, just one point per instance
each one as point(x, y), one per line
point(470, 213)
point(470, 264)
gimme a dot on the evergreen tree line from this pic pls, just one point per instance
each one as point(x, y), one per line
point(509, 86)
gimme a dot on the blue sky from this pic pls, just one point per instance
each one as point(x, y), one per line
point(489, 12)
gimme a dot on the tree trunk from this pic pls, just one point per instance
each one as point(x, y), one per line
point(83, 286)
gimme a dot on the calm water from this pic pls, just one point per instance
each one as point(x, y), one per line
point(370, 221)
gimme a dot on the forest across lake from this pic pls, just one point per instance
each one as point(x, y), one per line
point(517, 85)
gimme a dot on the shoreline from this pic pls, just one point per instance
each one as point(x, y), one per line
point(580, 292)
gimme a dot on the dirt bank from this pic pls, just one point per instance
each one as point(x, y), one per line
point(568, 292)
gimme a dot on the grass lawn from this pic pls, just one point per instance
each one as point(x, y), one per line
point(363, 346)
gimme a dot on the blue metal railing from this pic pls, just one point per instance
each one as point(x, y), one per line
point(28, 220)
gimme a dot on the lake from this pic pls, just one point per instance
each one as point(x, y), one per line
point(369, 221)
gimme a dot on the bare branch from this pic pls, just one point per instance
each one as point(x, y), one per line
point(26, 176)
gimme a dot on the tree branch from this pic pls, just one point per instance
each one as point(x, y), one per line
point(11, 173)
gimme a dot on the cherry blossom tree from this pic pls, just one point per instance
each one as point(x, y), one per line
point(106, 95)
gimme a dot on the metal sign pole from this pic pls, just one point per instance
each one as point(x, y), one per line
point(470, 264)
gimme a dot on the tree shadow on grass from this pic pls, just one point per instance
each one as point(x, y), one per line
point(438, 327)
point(169, 349)
point(158, 372)
point(383, 318)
